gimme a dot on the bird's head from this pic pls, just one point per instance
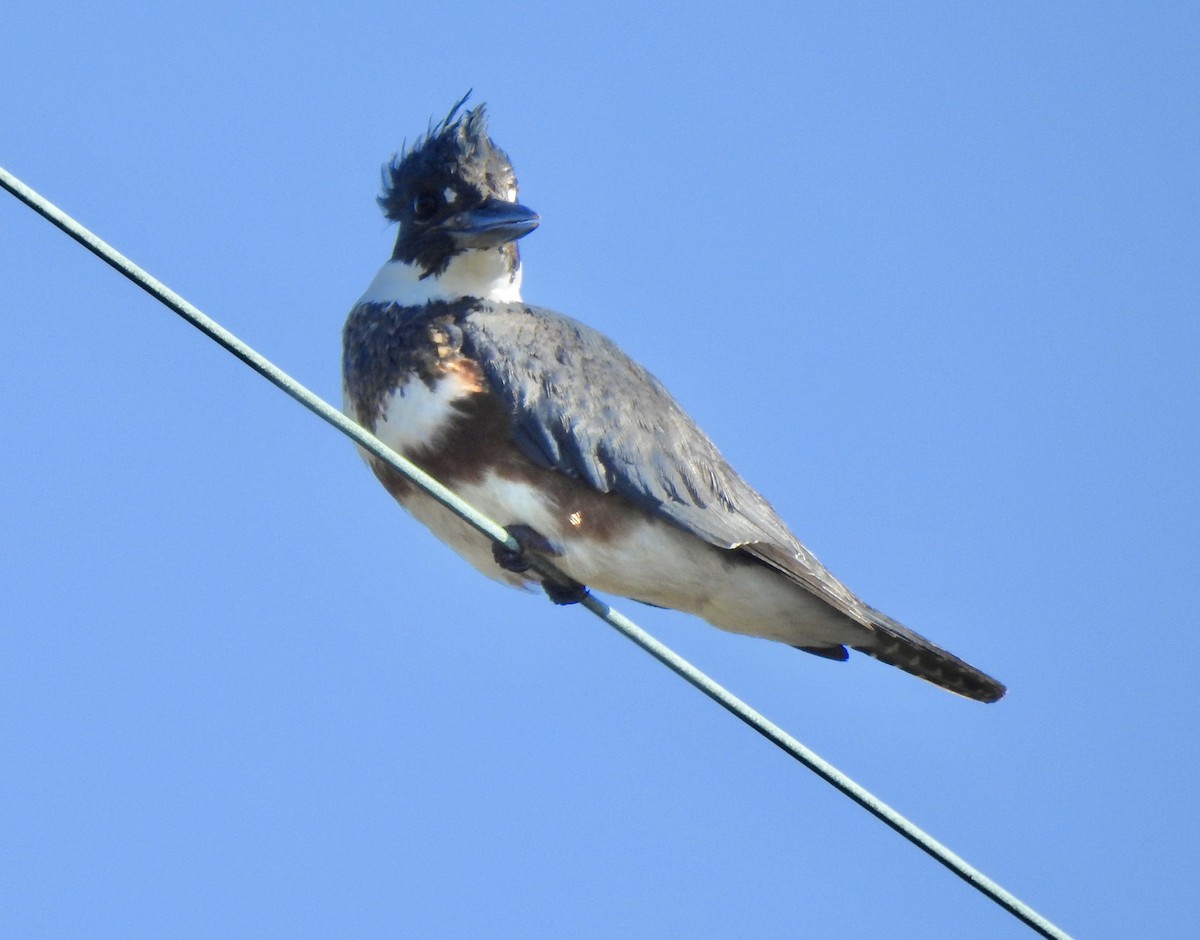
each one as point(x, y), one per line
point(454, 193)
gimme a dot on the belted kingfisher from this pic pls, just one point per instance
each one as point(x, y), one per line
point(546, 426)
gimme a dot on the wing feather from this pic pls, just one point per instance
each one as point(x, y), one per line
point(582, 407)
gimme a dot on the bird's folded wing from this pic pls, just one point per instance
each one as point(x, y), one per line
point(582, 407)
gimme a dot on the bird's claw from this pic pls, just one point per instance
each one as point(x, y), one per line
point(570, 592)
point(529, 540)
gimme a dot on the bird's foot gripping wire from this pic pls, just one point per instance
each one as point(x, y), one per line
point(561, 590)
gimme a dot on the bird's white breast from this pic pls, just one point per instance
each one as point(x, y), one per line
point(416, 415)
point(651, 560)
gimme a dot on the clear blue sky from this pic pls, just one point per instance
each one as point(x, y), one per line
point(929, 276)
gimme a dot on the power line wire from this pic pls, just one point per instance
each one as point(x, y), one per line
point(497, 533)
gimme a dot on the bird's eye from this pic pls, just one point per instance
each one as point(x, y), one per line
point(424, 207)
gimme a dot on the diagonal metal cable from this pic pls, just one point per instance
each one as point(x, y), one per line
point(492, 530)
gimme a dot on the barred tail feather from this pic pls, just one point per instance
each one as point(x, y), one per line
point(898, 646)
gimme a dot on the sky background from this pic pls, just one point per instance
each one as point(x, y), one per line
point(927, 274)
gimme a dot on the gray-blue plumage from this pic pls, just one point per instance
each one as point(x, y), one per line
point(582, 407)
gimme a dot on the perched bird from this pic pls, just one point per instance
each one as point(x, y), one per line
point(546, 426)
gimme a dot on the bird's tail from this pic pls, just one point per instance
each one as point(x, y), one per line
point(898, 646)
